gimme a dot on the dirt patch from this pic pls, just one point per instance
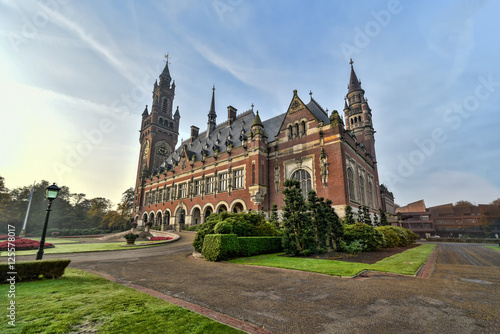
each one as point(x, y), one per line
point(364, 257)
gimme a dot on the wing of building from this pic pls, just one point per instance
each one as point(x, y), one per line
point(240, 164)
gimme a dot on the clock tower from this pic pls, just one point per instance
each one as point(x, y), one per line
point(159, 129)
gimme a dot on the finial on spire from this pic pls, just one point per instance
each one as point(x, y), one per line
point(351, 62)
point(252, 106)
point(311, 94)
point(167, 57)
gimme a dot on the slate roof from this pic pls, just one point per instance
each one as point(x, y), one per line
point(225, 135)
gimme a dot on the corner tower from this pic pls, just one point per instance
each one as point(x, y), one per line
point(358, 115)
point(159, 129)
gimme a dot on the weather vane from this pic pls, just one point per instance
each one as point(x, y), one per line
point(167, 57)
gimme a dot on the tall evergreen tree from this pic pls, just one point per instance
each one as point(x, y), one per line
point(349, 215)
point(298, 234)
point(335, 224)
point(273, 219)
point(383, 218)
point(366, 215)
point(316, 207)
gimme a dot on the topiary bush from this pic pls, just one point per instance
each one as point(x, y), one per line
point(242, 224)
point(391, 237)
point(33, 270)
point(249, 246)
point(223, 227)
point(354, 247)
point(367, 234)
point(219, 247)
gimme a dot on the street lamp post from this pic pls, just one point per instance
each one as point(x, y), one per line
point(51, 193)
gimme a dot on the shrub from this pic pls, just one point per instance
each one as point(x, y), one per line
point(412, 236)
point(367, 234)
point(354, 247)
point(223, 227)
point(192, 228)
point(242, 224)
point(32, 270)
point(131, 236)
point(249, 246)
point(23, 244)
point(391, 237)
point(218, 247)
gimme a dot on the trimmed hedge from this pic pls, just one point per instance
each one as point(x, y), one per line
point(32, 270)
point(397, 236)
point(219, 247)
point(249, 246)
point(367, 234)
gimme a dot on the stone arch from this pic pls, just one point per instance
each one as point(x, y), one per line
point(238, 206)
point(180, 213)
point(144, 218)
point(222, 206)
point(208, 209)
point(196, 216)
point(166, 218)
point(159, 219)
point(151, 217)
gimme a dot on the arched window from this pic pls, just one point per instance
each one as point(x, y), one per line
point(350, 182)
point(297, 133)
point(290, 134)
point(370, 194)
point(303, 128)
point(304, 178)
point(362, 189)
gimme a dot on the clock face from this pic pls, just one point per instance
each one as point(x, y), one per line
point(162, 150)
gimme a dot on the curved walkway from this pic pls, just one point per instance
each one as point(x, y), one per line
point(462, 294)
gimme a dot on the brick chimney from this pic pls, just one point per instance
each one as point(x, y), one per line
point(194, 132)
point(231, 114)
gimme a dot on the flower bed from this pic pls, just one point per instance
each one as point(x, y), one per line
point(5, 237)
point(160, 238)
point(23, 244)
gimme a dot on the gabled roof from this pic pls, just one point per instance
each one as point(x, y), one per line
point(318, 111)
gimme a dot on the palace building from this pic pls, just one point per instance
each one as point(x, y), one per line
point(240, 164)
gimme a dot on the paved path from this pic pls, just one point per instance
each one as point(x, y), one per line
point(462, 294)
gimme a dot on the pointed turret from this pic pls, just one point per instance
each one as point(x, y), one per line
point(354, 83)
point(177, 113)
point(212, 115)
point(257, 126)
point(165, 75)
point(145, 112)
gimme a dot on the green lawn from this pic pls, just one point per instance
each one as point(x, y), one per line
point(407, 263)
point(79, 248)
point(493, 247)
point(82, 302)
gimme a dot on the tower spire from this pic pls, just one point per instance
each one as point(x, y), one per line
point(354, 83)
point(212, 115)
point(165, 75)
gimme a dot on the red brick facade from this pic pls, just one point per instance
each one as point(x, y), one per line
point(241, 164)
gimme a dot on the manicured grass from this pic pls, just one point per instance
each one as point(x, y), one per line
point(79, 248)
point(493, 247)
point(329, 267)
point(59, 240)
point(407, 263)
point(81, 302)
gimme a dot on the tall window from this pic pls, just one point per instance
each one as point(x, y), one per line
point(160, 196)
point(182, 190)
point(362, 189)
point(197, 187)
point(304, 178)
point(223, 177)
point(210, 184)
point(238, 179)
point(350, 182)
point(253, 173)
point(370, 194)
point(167, 195)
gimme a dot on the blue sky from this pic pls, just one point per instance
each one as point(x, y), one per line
point(75, 77)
